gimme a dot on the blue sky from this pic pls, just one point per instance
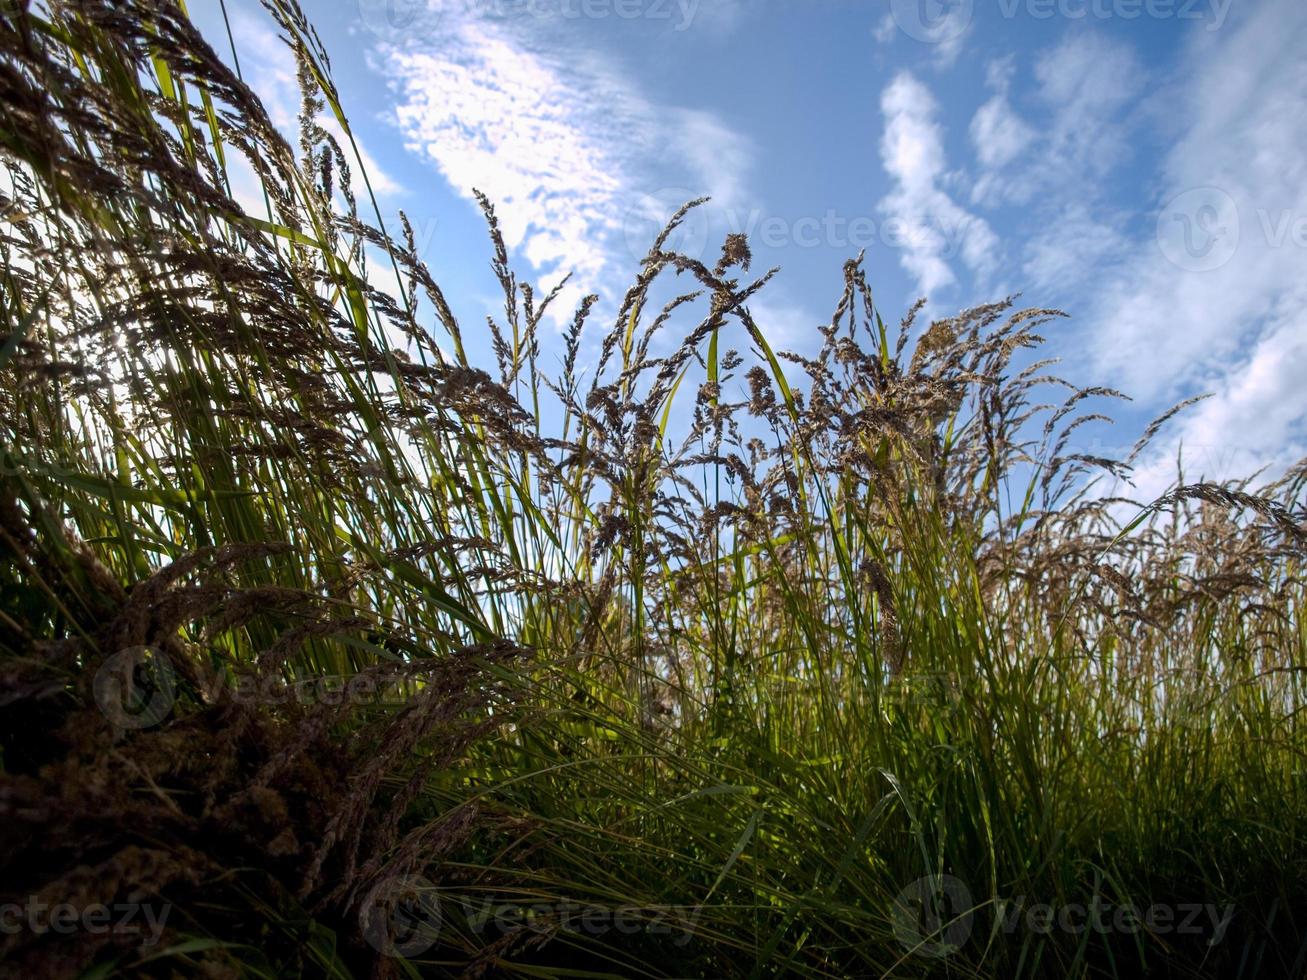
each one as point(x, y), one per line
point(1138, 163)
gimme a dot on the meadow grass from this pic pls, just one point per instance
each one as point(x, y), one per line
point(311, 623)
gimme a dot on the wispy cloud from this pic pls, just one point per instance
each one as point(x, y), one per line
point(569, 149)
point(1254, 419)
point(1051, 159)
point(998, 135)
point(1086, 88)
point(1075, 247)
point(937, 29)
point(936, 228)
point(1215, 299)
point(1208, 293)
point(1089, 83)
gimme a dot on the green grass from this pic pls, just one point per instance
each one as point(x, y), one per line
point(626, 695)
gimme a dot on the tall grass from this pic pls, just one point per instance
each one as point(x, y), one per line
point(848, 676)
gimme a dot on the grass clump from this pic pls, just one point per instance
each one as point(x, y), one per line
point(365, 659)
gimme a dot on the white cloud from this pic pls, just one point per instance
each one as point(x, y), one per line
point(1254, 420)
point(998, 133)
point(940, 34)
point(1072, 247)
point(947, 51)
point(1165, 325)
point(267, 66)
point(1086, 89)
point(1088, 82)
point(886, 29)
point(563, 144)
point(717, 154)
point(937, 227)
point(1054, 160)
point(1159, 328)
point(999, 72)
point(1239, 330)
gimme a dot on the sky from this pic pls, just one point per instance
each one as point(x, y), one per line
point(1140, 164)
